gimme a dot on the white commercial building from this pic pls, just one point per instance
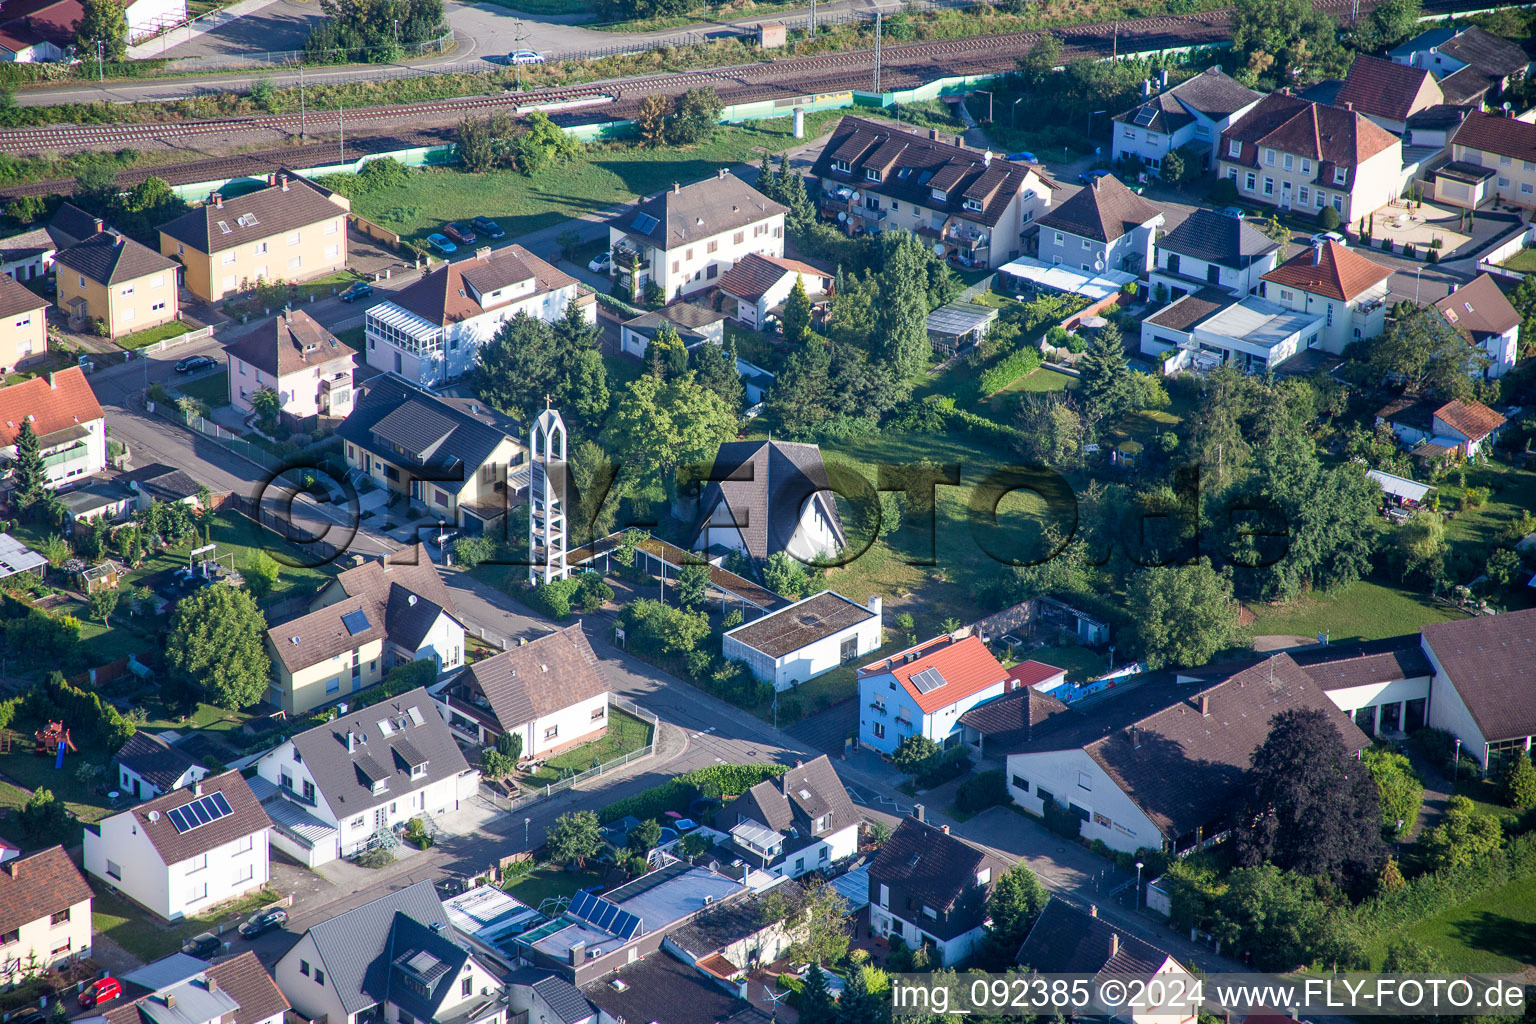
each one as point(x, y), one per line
point(796, 644)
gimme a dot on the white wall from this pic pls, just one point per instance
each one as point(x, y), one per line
point(697, 268)
point(76, 470)
point(148, 790)
point(936, 725)
point(223, 873)
point(808, 662)
point(884, 922)
point(1447, 711)
point(444, 643)
point(1350, 698)
point(172, 891)
point(828, 850)
point(137, 869)
point(312, 999)
point(571, 723)
point(39, 938)
point(1063, 774)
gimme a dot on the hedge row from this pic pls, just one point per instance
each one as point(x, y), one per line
point(1430, 894)
point(979, 427)
point(714, 781)
point(1007, 370)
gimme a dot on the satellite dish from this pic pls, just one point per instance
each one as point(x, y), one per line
point(857, 197)
point(841, 215)
point(938, 248)
point(1098, 265)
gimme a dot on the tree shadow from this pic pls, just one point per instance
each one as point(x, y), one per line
point(1495, 933)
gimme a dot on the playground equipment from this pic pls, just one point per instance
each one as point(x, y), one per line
point(49, 740)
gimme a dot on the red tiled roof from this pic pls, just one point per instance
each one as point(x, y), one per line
point(38, 885)
point(1473, 420)
point(1503, 136)
point(59, 400)
point(1332, 270)
point(1332, 136)
point(1028, 673)
point(1388, 89)
point(966, 665)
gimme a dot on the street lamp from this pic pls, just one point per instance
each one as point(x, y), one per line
point(1013, 113)
point(525, 830)
point(1139, 866)
point(1416, 274)
point(1456, 762)
point(989, 102)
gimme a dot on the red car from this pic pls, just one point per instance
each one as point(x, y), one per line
point(102, 990)
point(459, 233)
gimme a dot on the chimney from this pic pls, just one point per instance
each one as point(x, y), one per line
point(875, 604)
point(282, 179)
point(1146, 88)
point(960, 141)
point(577, 953)
point(218, 200)
point(483, 253)
point(351, 741)
point(1162, 78)
point(100, 225)
point(170, 1000)
point(917, 812)
point(1317, 254)
point(1135, 739)
point(720, 172)
point(197, 788)
point(1349, 105)
point(53, 385)
point(1114, 944)
point(1093, 911)
point(933, 135)
point(944, 829)
point(1205, 706)
point(677, 187)
point(212, 983)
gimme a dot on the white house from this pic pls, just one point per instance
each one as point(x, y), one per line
point(802, 821)
point(1481, 314)
point(71, 428)
point(32, 31)
point(184, 852)
point(431, 332)
point(343, 784)
point(759, 285)
point(927, 887)
point(763, 497)
point(1337, 283)
point(397, 960)
point(1484, 687)
point(1193, 113)
point(695, 323)
point(147, 766)
point(1447, 50)
point(181, 989)
point(1210, 327)
point(684, 239)
point(924, 690)
point(548, 691)
point(1213, 250)
point(1102, 227)
point(814, 635)
point(45, 912)
point(306, 365)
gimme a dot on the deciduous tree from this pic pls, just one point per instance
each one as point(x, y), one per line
point(575, 837)
point(1464, 836)
point(1184, 614)
point(1401, 791)
point(659, 426)
point(785, 576)
point(102, 22)
point(1421, 350)
point(216, 642)
point(1518, 781)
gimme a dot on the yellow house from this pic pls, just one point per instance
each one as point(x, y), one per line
point(23, 325)
point(45, 913)
point(325, 655)
point(125, 285)
point(292, 230)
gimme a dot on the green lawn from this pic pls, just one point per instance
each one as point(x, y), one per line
point(1523, 261)
point(549, 881)
point(150, 335)
point(142, 934)
point(352, 337)
point(212, 390)
point(1081, 663)
point(1494, 933)
point(626, 734)
point(607, 176)
point(1367, 610)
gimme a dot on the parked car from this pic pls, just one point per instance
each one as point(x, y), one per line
point(600, 263)
point(191, 364)
point(30, 1017)
point(488, 227)
point(358, 290)
point(100, 991)
point(1233, 211)
point(525, 57)
point(1089, 177)
point(459, 233)
point(1024, 156)
point(1331, 236)
point(263, 921)
point(203, 945)
point(441, 244)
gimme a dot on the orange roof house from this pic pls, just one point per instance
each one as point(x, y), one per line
point(924, 690)
point(68, 421)
point(1331, 270)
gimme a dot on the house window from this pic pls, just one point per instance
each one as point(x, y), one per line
point(1204, 131)
point(228, 259)
point(1269, 186)
point(799, 865)
point(738, 238)
point(60, 917)
point(245, 874)
point(1046, 796)
point(1338, 202)
point(1320, 198)
point(839, 165)
point(1269, 158)
point(879, 728)
point(333, 685)
point(127, 290)
point(319, 976)
point(1083, 782)
point(1330, 314)
point(551, 732)
point(331, 227)
point(597, 713)
point(60, 949)
point(688, 255)
point(712, 246)
point(304, 968)
point(197, 863)
point(1234, 147)
point(1021, 782)
point(1128, 132)
point(1059, 239)
point(1525, 188)
point(309, 791)
point(467, 987)
point(295, 262)
point(1503, 182)
point(1286, 163)
point(1087, 244)
point(1340, 175)
point(870, 174)
point(1304, 196)
point(1286, 296)
point(712, 271)
point(675, 266)
point(114, 870)
point(293, 238)
point(259, 248)
point(10, 937)
point(197, 891)
point(1248, 182)
point(406, 1018)
point(1306, 166)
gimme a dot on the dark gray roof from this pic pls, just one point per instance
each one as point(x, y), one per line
point(154, 760)
point(1338, 665)
point(1485, 51)
point(1216, 238)
point(1491, 662)
point(802, 623)
point(728, 921)
point(1103, 211)
point(698, 211)
point(765, 484)
point(537, 679)
point(1212, 93)
point(662, 989)
point(338, 772)
point(791, 804)
point(110, 258)
point(458, 441)
point(416, 953)
point(173, 845)
point(70, 224)
point(1066, 940)
point(1468, 85)
point(564, 999)
point(353, 945)
point(264, 213)
point(161, 482)
point(922, 865)
point(1011, 718)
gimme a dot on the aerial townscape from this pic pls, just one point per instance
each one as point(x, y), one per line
point(704, 511)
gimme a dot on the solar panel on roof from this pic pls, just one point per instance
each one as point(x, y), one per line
point(356, 622)
point(200, 812)
point(927, 680)
point(644, 222)
point(177, 820)
point(1145, 115)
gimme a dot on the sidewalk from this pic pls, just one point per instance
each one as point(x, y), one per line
point(192, 29)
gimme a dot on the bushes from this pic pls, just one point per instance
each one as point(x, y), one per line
point(652, 628)
point(55, 697)
point(1007, 370)
point(553, 598)
point(1427, 895)
point(1063, 821)
point(713, 781)
point(986, 789)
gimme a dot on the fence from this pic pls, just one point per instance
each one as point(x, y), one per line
point(1503, 250)
point(220, 435)
point(263, 59)
point(176, 342)
point(549, 790)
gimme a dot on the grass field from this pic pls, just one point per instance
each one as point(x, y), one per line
point(1368, 610)
point(1494, 933)
point(140, 933)
point(626, 734)
point(212, 390)
point(549, 881)
point(150, 335)
point(607, 176)
point(1523, 261)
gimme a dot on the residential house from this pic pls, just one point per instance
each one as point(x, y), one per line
point(1500, 152)
point(1104, 226)
point(23, 326)
point(45, 913)
point(664, 989)
point(305, 364)
point(1481, 314)
point(978, 207)
point(802, 821)
point(1388, 92)
point(764, 497)
point(1297, 155)
point(1484, 686)
point(456, 457)
point(30, 254)
point(1163, 764)
point(148, 767)
point(958, 325)
point(731, 937)
point(1191, 115)
point(397, 960)
point(546, 998)
point(181, 989)
point(1469, 425)
point(924, 690)
point(35, 31)
point(1433, 127)
point(343, 784)
point(549, 691)
point(1433, 430)
point(684, 239)
point(759, 285)
point(1448, 50)
point(71, 429)
point(185, 851)
point(995, 726)
point(114, 280)
point(800, 642)
point(1210, 328)
point(107, 499)
point(1066, 940)
point(1337, 283)
point(927, 887)
point(695, 324)
point(1213, 250)
point(431, 332)
point(292, 230)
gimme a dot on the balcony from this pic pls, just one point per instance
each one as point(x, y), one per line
point(907, 723)
point(1365, 309)
point(77, 452)
point(630, 259)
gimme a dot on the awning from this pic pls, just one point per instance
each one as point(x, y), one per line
point(1064, 279)
point(1399, 486)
